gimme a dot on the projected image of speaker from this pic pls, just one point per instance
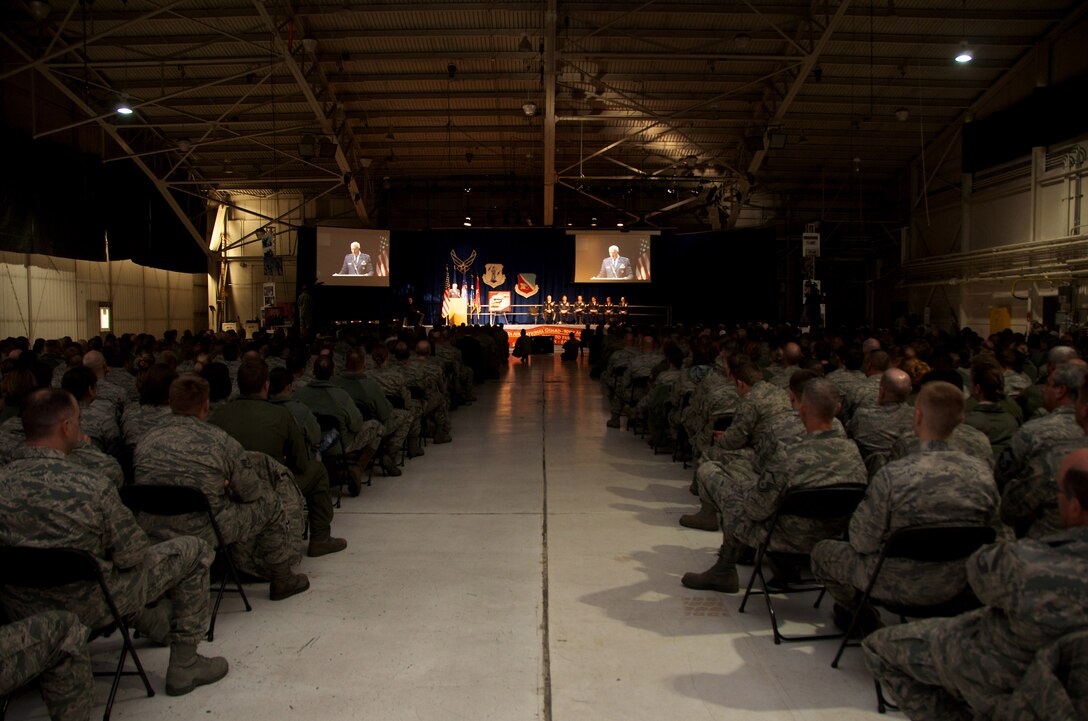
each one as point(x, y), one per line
point(352, 256)
point(612, 257)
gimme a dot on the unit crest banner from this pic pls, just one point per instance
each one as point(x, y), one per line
point(493, 275)
point(526, 286)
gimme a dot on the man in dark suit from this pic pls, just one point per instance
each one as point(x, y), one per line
point(616, 265)
point(356, 263)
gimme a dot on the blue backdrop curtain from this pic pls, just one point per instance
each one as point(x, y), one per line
point(726, 275)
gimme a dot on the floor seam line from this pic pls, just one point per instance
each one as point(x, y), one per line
point(546, 659)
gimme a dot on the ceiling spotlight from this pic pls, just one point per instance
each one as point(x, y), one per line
point(469, 156)
point(964, 55)
point(123, 106)
point(40, 9)
point(184, 145)
point(309, 44)
point(390, 136)
point(529, 109)
point(524, 46)
point(902, 114)
point(742, 41)
point(451, 69)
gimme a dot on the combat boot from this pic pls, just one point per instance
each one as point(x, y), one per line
point(705, 520)
point(286, 584)
point(614, 421)
point(442, 437)
point(415, 448)
point(389, 466)
point(187, 669)
point(721, 577)
point(325, 546)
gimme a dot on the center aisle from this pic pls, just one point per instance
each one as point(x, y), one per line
point(436, 610)
point(627, 640)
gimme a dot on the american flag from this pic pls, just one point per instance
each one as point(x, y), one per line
point(642, 265)
point(382, 266)
point(446, 295)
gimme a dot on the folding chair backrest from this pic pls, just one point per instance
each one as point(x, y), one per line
point(832, 501)
point(46, 567)
point(936, 543)
point(164, 500)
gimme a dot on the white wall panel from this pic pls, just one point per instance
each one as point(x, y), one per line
point(13, 299)
point(52, 302)
point(1000, 220)
point(148, 299)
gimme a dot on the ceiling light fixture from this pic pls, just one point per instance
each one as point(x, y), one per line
point(123, 106)
point(529, 109)
point(742, 41)
point(964, 55)
point(902, 114)
point(524, 46)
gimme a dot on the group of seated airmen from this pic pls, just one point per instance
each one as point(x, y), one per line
point(939, 429)
point(81, 420)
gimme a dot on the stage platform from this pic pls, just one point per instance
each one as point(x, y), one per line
point(557, 332)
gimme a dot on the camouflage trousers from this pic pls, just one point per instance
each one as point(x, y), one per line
point(52, 647)
point(263, 521)
point(436, 411)
point(415, 412)
point(720, 481)
point(369, 436)
point(177, 568)
point(397, 428)
point(846, 573)
point(902, 660)
point(313, 484)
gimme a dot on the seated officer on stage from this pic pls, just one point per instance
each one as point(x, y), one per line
point(746, 502)
point(936, 484)
point(47, 501)
point(564, 310)
point(967, 667)
point(186, 450)
point(549, 310)
point(269, 428)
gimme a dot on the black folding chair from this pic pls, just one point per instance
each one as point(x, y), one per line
point(43, 568)
point(336, 461)
point(827, 503)
point(167, 500)
point(931, 543)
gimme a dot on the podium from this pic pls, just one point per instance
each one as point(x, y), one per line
point(458, 311)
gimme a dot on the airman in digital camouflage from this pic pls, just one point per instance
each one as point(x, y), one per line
point(1033, 591)
point(46, 500)
point(746, 502)
point(937, 484)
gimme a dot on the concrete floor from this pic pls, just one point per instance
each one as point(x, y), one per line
point(528, 570)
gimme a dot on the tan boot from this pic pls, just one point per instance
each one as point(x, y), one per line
point(286, 585)
point(721, 577)
point(705, 520)
point(187, 669)
point(325, 546)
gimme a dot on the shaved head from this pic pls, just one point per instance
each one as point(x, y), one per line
point(896, 385)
